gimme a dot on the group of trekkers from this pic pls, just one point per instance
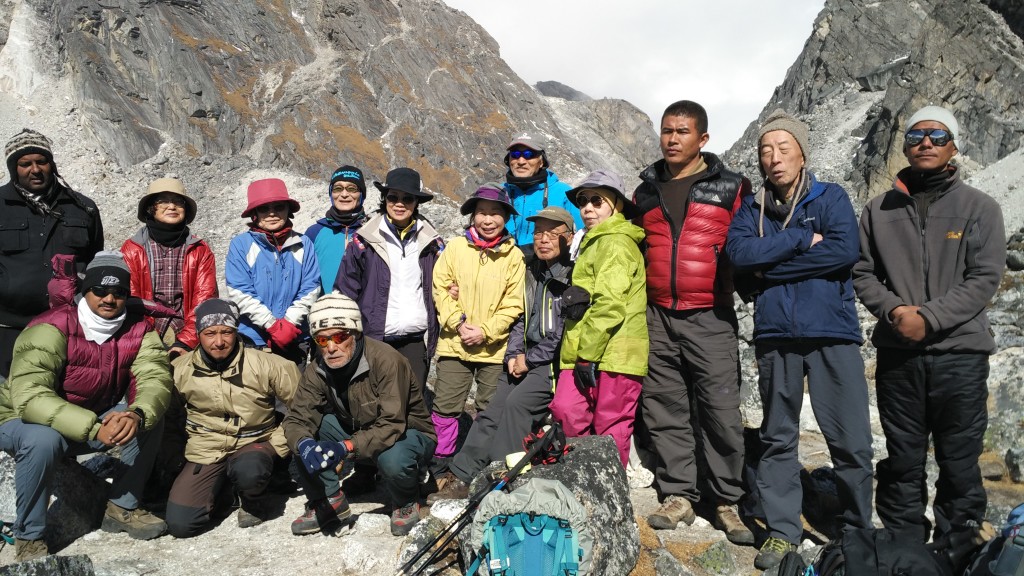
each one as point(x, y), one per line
point(610, 311)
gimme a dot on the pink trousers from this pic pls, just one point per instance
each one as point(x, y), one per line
point(608, 408)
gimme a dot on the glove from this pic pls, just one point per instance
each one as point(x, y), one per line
point(283, 333)
point(575, 301)
point(586, 374)
point(320, 456)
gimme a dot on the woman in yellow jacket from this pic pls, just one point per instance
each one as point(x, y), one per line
point(478, 290)
point(605, 345)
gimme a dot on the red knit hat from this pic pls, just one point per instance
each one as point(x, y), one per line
point(268, 191)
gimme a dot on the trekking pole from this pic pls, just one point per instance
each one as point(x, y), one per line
point(445, 537)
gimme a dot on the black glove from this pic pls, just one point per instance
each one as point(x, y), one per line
point(575, 301)
point(320, 456)
point(586, 374)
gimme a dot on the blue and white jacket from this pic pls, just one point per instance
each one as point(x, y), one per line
point(806, 292)
point(531, 200)
point(267, 284)
point(330, 238)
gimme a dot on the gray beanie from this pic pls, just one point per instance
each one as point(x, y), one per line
point(107, 269)
point(780, 120)
point(216, 312)
point(940, 115)
point(335, 310)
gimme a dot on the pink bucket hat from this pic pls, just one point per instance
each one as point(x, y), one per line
point(267, 191)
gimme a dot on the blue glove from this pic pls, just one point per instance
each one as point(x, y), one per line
point(320, 456)
point(586, 374)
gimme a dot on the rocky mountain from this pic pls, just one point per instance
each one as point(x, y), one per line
point(871, 64)
point(221, 93)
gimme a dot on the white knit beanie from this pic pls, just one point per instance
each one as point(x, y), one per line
point(335, 310)
point(940, 115)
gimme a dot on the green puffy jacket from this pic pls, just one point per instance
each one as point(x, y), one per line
point(613, 332)
point(40, 357)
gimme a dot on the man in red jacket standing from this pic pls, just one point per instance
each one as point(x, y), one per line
point(687, 201)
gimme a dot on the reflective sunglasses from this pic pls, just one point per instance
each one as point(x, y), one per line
point(595, 200)
point(400, 199)
point(338, 338)
point(351, 189)
point(527, 154)
point(119, 292)
point(938, 136)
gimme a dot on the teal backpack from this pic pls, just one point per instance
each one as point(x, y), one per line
point(539, 529)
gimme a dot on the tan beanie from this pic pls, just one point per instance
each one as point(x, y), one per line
point(335, 310)
point(779, 120)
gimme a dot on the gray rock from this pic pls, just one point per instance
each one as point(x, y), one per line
point(665, 564)
point(559, 90)
point(992, 469)
point(594, 474)
point(717, 559)
point(51, 566)
point(1015, 464)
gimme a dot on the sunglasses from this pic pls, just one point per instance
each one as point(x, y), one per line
point(938, 136)
point(275, 207)
point(338, 338)
point(350, 189)
point(526, 154)
point(595, 200)
point(103, 291)
point(400, 199)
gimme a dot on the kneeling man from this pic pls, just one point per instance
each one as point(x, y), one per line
point(72, 368)
point(228, 393)
point(358, 400)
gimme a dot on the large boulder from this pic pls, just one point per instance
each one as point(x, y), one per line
point(51, 566)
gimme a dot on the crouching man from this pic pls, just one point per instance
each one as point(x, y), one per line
point(358, 400)
point(72, 367)
point(228, 393)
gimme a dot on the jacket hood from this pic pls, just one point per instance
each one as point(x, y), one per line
point(370, 234)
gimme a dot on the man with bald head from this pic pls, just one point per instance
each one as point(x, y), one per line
point(932, 255)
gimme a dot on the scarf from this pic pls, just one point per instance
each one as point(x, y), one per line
point(925, 187)
point(345, 218)
point(781, 210)
point(341, 378)
point(42, 203)
point(276, 239)
point(219, 365)
point(96, 328)
point(475, 239)
point(527, 181)
point(167, 235)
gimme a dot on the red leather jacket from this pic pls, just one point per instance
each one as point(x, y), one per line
point(198, 283)
point(687, 269)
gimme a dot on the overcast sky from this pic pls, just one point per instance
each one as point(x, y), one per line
point(728, 55)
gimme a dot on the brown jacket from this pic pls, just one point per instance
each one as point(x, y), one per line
point(385, 399)
point(226, 411)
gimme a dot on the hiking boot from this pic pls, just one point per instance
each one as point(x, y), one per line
point(251, 513)
point(728, 521)
point(449, 487)
point(673, 510)
point(404, 518)
point(771, 553)
point(322, 514)
point(25, 550)
point(138, 523)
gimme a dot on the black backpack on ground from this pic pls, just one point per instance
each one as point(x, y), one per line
point(879, 552)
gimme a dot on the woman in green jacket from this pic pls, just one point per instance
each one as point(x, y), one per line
point(604, 349)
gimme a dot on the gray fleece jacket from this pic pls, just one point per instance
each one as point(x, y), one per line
point(950, 264)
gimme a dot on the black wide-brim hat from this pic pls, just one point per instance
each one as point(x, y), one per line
point(404, 180)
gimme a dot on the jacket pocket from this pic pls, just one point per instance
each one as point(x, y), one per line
point(13, 236)
point(75, 233)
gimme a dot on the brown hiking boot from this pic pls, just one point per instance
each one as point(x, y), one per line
point(728, 521)
point(404, 518)
point(673, 510)
point(138, 523)
point(25, 550)
point(251, 513)
point(449, 487)
point(322, 514)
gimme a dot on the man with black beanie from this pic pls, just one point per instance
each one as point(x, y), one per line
point(332, 233)
point(932, 253)
point(40, 216)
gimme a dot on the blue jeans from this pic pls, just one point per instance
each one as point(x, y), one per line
point(399, 465)
point(37, 449)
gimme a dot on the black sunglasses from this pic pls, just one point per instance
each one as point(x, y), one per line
point(119, 292)
point(595, 200)
point(400, 199)
point(938, 136)
point(527, 154)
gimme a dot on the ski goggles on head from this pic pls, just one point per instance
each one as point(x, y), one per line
point(938, 136)
point(526, 154)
